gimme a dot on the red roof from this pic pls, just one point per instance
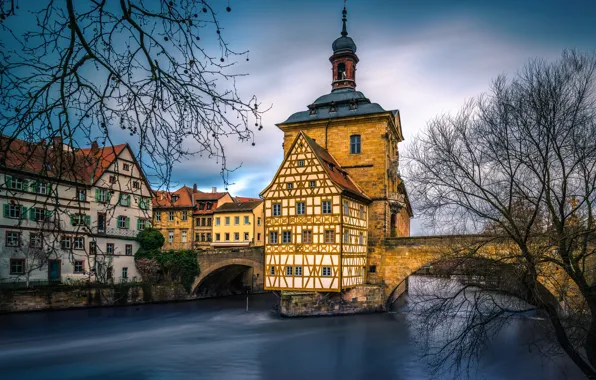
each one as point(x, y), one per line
point(247, 199)
point(58, 160)
point(201, 197)
point(181, 198)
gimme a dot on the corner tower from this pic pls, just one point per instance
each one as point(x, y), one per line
point(363, 138)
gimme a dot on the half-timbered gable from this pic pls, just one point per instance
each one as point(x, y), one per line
point(305, 222)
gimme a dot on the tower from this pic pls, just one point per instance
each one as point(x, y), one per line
point(344, 59)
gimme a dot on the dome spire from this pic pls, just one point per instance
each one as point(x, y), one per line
point(344, 19)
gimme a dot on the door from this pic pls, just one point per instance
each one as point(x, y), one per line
point(54, 270)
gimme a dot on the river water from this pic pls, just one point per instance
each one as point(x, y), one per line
point(219, 339)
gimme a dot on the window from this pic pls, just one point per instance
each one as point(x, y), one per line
point(198, 222)
point(80, 220)
point(197, 237)
point(158, 216)
point(289, 271)
point(290, 185)
point(372, 269)
point(259, 236)
point(14, 211)
point(246, 236)
point(246, 220)
point(361, 212)
point(259, 221)
point(326, 271)
point(227, 236)
point(306, 236)
point(14, 183)
point(65, 242)
point(136, 185)
point(272, 271)
point(125, 167)
point(298, 271)
point(112, 179)
point(81, 195)
point(144, 203)
point(341, 71)
point(17, 266)
point(217, 237)
point(236, 236)
point(312, 184)
point(35, 240)
point(300, 162)
point(78, 242)
point(123, 221)
point(175, 197)
point(110, 248)
point(13, 239)
point(184, 236)
point(208, 222)
point(184, 216)
point(273, 237)
point(170, 236)
point(300, 208)
point(203, 221)
point(217, 221)
point(227, 220)
point(346, 208)
point(171, 216)
point(326, 207)
point(329, 236)
point(277, 209)
point(208, 236)
point(38, 214)
point(79, 266)
point(236, 220)
point(128, 249)
point(142, 224)
point(201, 205)
point(346, 236)
point(40, 188)
point(125, 273)
point(124, 200)
point(361, 238)
point(286, 237)
point(209, 205)
point(355, 144)
point(102, 195)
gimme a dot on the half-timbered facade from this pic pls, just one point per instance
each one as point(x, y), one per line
point(316, 227)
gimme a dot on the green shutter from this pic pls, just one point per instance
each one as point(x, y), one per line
point(108, 196)
point(6, 213)
point(32, 213)
point(138, 224)
point(97, 195)
point(88, 220)
point(33, 186)
point(49, 213)
point(147, 224)
point(127, 225)
point(8, 181)
point(72, 219)
point(23, 212)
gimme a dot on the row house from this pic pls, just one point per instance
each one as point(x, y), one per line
point(70, 213)
point(239, 224)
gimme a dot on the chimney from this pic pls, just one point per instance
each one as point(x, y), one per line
point(194, 188)
point(57, 142)
point(214, 189)
point(94, 147)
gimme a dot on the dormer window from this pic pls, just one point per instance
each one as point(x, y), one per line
point(331, 166)
point(201, 205)
point(333, 107)
point(175, 198)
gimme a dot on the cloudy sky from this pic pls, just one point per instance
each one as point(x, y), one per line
point(422, 57)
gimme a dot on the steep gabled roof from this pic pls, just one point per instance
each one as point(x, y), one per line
point(246, 199)
point(166, 199)
point(238, 207)
point(57, 160)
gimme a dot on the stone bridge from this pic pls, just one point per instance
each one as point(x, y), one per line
point(228, 271)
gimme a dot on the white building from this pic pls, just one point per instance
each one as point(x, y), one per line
point(70, 214)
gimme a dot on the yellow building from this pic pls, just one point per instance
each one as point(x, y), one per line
point(205, 206)
point(343, 132)
point(315, 223)
point(238, 225)
point(173, 216)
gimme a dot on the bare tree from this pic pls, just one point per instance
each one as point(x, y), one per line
point(519, 162)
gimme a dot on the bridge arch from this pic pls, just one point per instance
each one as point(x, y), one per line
point(229, 271)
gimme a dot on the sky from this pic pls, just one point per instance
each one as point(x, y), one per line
point(423, 57)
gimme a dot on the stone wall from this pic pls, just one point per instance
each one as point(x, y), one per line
point(362, 299)
point(56, 298)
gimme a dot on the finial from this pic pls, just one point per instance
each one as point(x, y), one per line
point(344, 31)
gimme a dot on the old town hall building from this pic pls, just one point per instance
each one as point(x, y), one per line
point(338, 191)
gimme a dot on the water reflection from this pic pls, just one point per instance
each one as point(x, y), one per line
point(217, 339)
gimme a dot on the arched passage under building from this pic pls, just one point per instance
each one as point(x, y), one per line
point(229, 277)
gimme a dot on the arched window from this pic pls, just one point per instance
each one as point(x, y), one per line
point(341, 69)
point(355, 144)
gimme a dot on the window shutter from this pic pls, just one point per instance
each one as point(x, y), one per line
point(138, 224)
point(109, 196)
point(147, 224)
point(33, 186)
point(23, 212)
point(26, 185)
point(5, 208)
point(97, 195)
point(72, 220)
point(127, 222)
point(8, 181)
point(49, 213)
point(88, 220)
point(32, 213)
point(49, 188)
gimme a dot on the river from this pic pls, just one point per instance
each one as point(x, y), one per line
point(219, 339)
